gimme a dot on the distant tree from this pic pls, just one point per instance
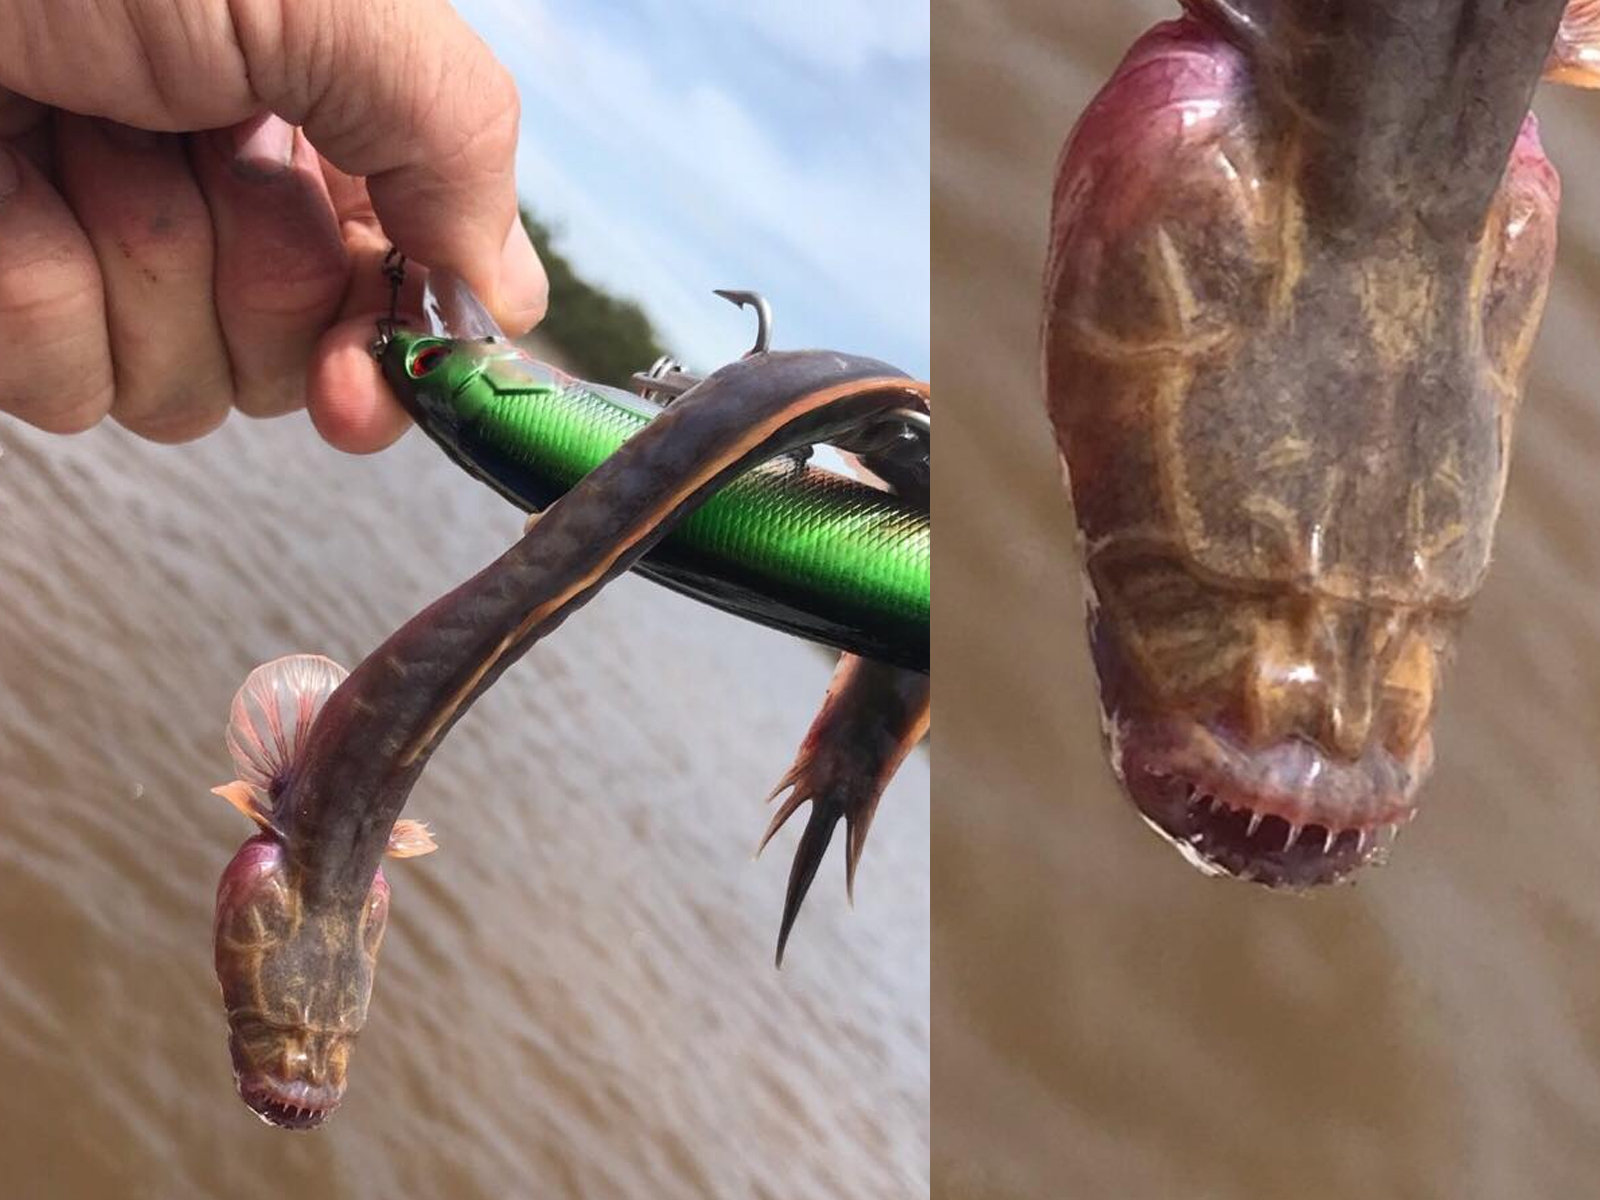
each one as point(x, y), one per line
point(605, 339)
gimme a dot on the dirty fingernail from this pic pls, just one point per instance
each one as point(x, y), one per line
point(263, 145)
point(524, 289)
point(10, 176)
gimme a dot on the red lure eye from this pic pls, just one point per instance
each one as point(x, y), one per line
point(427, 359)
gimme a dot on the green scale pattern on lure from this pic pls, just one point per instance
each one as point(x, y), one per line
point(792, 546)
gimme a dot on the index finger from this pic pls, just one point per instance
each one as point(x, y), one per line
point(409, 96)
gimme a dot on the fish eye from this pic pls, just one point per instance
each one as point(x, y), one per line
point(427, 360)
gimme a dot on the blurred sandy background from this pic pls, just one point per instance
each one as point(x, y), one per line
point(1107, 1022)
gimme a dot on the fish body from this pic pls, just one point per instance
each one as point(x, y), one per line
point(791, 546)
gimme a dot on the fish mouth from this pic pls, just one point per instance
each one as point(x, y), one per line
point(1287, 815)
point(289, 1104)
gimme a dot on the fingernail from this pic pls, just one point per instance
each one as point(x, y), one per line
point(524, 289)
point(129, 137)
point(10, 175)
point(263, 146)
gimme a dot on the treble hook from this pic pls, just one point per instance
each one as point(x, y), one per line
point(763, 315)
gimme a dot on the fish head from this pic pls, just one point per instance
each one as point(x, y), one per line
point(433, 376)
point(296, 980)
point(1279, 737)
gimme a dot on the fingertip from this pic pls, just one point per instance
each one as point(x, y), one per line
point(177, 426)
point(512, 285)
point(351, 406)
point(523, 291)
point(72, 419)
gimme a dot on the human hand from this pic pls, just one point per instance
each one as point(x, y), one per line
point(165, 276)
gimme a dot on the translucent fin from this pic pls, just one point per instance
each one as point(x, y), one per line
point(271, 716)
point(1575, 58)
point(251, 801)
point(452, 310)
point(410, 839)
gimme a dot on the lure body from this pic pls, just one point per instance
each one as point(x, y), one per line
point(791, 546)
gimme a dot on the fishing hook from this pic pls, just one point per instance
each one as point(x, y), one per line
point(763, 315)
point(394, 273)
point(666, 379)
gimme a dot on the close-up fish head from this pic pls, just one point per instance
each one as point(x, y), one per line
point(296, 980)
point(296, 983)
point(1286, 336)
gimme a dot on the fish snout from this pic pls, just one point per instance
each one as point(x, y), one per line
point(293, 1078)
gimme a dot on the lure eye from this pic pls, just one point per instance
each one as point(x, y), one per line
point(427, 360)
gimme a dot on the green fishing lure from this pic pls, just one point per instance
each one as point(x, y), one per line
point(787, 544)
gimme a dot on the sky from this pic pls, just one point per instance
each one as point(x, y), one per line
point(782, 146)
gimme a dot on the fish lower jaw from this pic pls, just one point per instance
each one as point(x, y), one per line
point(1292, 852)
point(294, 1104)
point(1227, 821)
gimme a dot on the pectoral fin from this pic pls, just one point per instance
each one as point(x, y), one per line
point(1575, 58)
point(410, 839)
point(248, 799)
point(873, 715)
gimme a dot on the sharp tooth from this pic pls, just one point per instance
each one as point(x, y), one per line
point(1387, 834)
point(1328, 841)
point(1255, 824)
point(1361, 840)
point(1294, 836)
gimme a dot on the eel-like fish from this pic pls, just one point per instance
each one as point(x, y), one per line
point(327, 764)
point(790, 545)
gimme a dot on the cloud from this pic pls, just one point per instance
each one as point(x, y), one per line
point(702, 144)
point(837, 36)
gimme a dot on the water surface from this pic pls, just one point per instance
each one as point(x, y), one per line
point(576, 995)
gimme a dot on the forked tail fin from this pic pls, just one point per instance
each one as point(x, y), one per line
point(871, 718)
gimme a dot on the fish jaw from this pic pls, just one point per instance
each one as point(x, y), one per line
point(1287, 745)
point(1286, 816)
point(296, 980)
point(305, 1094)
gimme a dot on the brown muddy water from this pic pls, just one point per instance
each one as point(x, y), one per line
point(576, 996)
point(1109, 1024)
